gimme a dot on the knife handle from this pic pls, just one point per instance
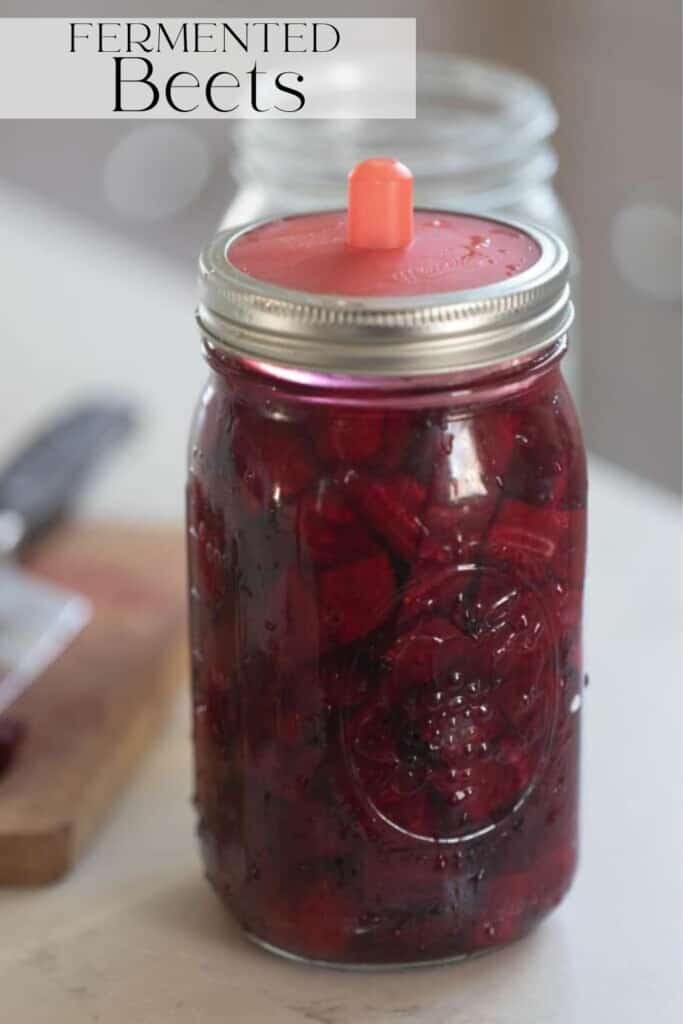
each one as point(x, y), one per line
point(38, 487)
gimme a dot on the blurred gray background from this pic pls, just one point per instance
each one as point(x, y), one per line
point(614, 70)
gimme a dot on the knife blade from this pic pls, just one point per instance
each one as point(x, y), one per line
point(38, 488)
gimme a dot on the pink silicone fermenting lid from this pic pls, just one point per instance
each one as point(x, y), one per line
point(382, 291)
point(380, 247)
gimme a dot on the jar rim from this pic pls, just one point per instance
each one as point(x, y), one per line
point(496, 121)
point(425, 335)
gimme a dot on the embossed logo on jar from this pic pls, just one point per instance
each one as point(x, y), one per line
point(455, 736)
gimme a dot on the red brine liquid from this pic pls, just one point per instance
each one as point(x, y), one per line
point(386, 592)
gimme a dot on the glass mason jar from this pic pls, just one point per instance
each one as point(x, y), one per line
point(480, 142)
point(386, 513)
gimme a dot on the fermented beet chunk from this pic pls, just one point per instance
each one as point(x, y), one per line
point(329, 530)
point(433, 590)
point(390, 507)
point(430, 652)
point(455, 532)
point(354, 599)
point(530, 538)
point(272, 459)
point(353, 437)
point(361, 437)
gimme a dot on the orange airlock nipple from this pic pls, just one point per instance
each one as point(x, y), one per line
point(380, 212)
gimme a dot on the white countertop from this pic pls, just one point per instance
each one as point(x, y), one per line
point(135, 934)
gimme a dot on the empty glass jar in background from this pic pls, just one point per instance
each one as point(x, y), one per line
point(480, 143)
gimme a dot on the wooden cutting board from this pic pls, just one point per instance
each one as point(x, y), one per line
point(91, 715)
